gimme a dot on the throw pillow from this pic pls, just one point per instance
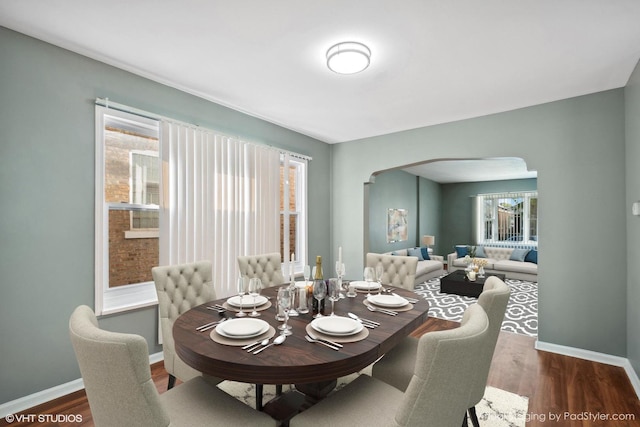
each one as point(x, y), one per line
point(425, 254)
point(415, 252)
point(519, 254)
point(480, 252)
point(532, 256)
point(394, 253)
point(461, 251)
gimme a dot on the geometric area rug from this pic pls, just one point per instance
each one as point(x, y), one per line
point(521, 316)
point(498, 408)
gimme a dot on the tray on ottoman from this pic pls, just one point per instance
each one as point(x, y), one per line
point(457, 283)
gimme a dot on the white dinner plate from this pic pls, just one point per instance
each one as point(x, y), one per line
point(336, 325)
point(365, 286)
point(247, 301)
point(242, 328)
point(387, 300)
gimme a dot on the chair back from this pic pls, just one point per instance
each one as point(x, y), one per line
point(266, 267)
point(399, 271)
point(439, 389)
point(180, 287)
point(493, 299)
point(116, 374)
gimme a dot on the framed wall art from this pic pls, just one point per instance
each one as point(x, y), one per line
point(397, 225)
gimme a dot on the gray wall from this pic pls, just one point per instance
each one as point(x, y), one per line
point(578, 148)
point(398, 190)
point(47, 196)
point(456, 227)
point(632, 110)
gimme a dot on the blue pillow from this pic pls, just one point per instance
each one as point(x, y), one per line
point(425, 254)
point(519, 254)
point(462, 251)
point(480, 252)
point(394, 253)
point(532, 256)
point(415, 252)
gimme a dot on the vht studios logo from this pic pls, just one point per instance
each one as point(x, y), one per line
point(43, 418)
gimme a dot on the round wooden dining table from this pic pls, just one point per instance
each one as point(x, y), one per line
point(312, 367)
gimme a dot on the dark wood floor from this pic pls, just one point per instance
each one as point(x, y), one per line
point(573, 389)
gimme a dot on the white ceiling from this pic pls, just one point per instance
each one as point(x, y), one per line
point(432, 61)
point(473, 170)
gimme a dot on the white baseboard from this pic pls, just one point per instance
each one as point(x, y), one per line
point(35, 399)
point(594, 356)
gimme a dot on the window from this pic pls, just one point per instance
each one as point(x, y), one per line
point(293, 215)
point(127, 206)
point(508, 218)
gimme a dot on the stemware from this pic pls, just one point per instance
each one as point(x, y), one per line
point(284, 302)
point(255, 287)
point(319, 293)
point(340, 273)
point(369, 276)
point(379, 273)
point(242, 289)
point(334, 293)
point(306, 274)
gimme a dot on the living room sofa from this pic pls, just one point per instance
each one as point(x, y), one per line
point(427, 268)
point(514, 263)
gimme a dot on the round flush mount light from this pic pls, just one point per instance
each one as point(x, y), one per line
point(348, 57)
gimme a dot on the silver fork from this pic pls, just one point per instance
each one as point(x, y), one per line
point(209, 325)
point(382, 310)
point(321, 342)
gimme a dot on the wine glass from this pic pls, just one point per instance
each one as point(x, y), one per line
point(255, 287)
point(379, 273)
point(340, 273)
point(242, 289)
point(369, 276)
point(334, 293)
point(319, 292)
point(306, 274)
point(284, 302)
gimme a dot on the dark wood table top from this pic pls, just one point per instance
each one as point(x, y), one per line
point(296, 361)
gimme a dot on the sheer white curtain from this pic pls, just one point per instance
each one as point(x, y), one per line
point(220, 199)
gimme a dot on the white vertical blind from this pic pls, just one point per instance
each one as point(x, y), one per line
point(220, 200)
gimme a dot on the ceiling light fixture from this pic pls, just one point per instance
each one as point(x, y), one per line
point(348, 57)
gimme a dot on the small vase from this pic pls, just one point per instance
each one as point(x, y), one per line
point(481, 272)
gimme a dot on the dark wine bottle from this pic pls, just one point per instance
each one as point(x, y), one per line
point(316, 278)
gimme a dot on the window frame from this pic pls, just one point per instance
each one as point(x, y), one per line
point(126, 297)
point(301, 169)
point(482, 219)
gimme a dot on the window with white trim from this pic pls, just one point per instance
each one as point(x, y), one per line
point(127, 207)
point(508, 218)
point(293, 210)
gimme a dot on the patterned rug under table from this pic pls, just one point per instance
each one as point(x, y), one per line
point(521, 316)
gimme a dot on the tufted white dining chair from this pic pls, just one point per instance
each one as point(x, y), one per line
point(437, 394)
point(395, 367)
point(399, 271)
point(117, 379)
point(266, 267)
point(180, 288)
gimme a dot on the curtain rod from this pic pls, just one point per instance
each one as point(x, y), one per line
point(105, 102)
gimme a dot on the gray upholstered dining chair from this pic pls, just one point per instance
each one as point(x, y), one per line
point(437, 394)
point(494, 299)
point(179, 288)
point(117, 379)
point(399, 271)
point(266, 267)
point(394, 368)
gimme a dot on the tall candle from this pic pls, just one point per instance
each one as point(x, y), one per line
point(340, 254)
point(293, 260)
